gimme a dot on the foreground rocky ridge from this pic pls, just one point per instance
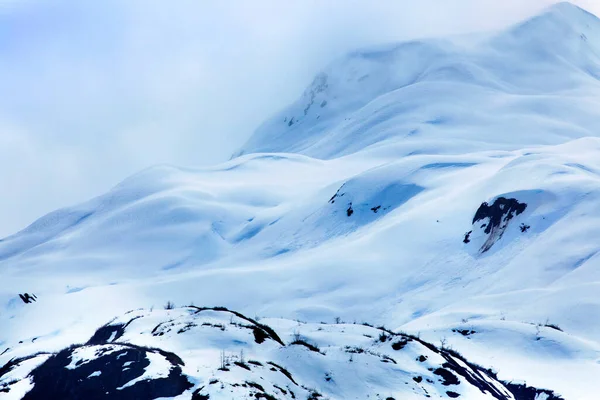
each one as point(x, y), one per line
point(214, 353)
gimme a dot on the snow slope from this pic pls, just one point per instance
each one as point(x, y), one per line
point(362, 201)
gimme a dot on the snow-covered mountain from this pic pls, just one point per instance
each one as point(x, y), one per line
point(449, 189)
point(455, 95)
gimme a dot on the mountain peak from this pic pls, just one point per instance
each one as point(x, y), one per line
point(567, 7)
point(562, 36)
point(376, 95)
point(564, 14)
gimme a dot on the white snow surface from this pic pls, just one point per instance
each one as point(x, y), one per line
point(427, 131)
point(158, 368)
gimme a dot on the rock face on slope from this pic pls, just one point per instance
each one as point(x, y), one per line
point(493, 219)
point(224, 354)
point(111, 372)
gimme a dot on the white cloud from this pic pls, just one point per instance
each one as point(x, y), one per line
point(94, 91)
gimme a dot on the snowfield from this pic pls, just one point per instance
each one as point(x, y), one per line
point(446, 189)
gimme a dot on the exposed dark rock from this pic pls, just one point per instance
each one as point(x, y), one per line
point(354, 350)
point(502, 209)
point(259, 335)
point(388, 359)
point(314, 396)
point(553, 326)
point(266, 396)
point(452, 394)
point(282, 390)
point(198, 396)
point(474, 375)
point(309, 346)
point(241, 365)
point(448, 378)
point(464, 332)
point(9, 366)
point(383, 337)
point(467, 238)
point(399, 345)
point(28, 298)
point(349, 211)
point(283, 371)
point(53, 380)
point(523, 392)
point(186, 328)
point(107, 333)
point(336, 195)
point(255, 386)
point(498, 215)
point(266, 330)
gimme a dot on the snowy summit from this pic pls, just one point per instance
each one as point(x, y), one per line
point(422, 222)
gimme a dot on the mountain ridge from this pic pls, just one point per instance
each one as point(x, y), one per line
point(497, 62)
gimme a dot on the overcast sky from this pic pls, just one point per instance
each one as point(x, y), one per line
point(93, 91)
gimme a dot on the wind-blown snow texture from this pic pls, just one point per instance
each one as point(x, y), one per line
point(446, 188)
